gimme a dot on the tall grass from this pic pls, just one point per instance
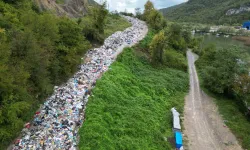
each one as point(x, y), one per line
point(130, 106)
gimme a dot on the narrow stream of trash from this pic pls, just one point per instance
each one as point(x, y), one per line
point(55, 125)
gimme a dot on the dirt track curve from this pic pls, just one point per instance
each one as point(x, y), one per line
point(204, 127)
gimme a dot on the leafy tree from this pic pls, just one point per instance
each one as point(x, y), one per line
point(220, 75)
point(157, 47)
point(156, 20)
point(153, 17)
point(138, 13)
point(93, 23)
point(175, 38)
point(148, 8)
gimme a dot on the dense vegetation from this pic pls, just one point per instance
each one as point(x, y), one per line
point(153, 17)
point(130, 106)
point(168, 41)
point(224, 71)
point(37, 51)
point(207, 11)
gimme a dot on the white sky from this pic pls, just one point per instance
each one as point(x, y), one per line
point(130, 5)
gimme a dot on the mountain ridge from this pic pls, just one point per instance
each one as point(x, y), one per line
point(209, 11)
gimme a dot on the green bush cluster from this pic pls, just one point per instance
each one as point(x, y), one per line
point(130, 105)
point(221, 68)
point(168, 47)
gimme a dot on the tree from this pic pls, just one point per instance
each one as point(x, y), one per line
point(138, 13)
point(157, 47)
point(148, 8)
point(93, 24)
point(153, 17)
point(220, 74)
point(156, 20)
point(175, 39)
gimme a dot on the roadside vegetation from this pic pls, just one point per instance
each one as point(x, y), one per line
point(224, 73)
point(38, 51)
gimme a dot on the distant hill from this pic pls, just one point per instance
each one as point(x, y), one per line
point(210, 11)
point(71, 8)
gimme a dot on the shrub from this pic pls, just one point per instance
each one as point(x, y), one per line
point(173, 59)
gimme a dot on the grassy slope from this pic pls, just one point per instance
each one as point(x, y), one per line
point(115, 23)
point(131, 106)
point(206, 11)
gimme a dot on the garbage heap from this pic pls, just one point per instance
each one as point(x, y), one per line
point(56, 123)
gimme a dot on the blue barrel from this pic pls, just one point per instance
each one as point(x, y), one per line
point(178, 139)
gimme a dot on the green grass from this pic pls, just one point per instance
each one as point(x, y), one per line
point(130, 106)
point(115, 23)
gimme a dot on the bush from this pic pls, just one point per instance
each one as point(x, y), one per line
point(157, 47)
point(173, 59)
point(175, 39)
point(93, 23)
point(144, 44)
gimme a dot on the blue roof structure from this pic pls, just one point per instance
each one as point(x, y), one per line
point(246, 25)
point(178, 139)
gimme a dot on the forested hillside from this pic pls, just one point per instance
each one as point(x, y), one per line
point(209, 11)
point(37, 51)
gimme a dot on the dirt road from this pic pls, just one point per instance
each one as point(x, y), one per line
point(204, 127)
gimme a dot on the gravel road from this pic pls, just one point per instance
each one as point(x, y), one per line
point(204, 127)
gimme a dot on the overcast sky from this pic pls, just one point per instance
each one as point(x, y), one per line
point(130, 5)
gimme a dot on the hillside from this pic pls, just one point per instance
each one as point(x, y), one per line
point(210, 11)
point(71, 8)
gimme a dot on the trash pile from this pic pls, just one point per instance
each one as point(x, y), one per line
point(56, 124)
